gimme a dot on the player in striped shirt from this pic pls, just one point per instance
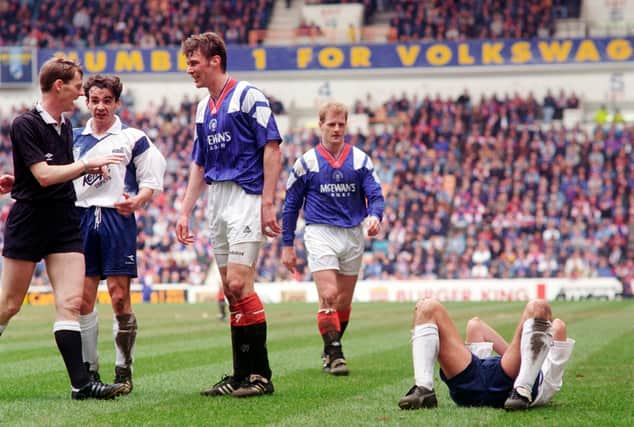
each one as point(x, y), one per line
point(108, 223)
point(340, 191)
point(236, 155)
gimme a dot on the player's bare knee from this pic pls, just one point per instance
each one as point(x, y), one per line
point(72, 304)
point(473, 326)
point(118, 304)
point(86, 307)
point(425, 309)
point(328, 298)
point(11, 309)
point(236, 288)
point(539, 309)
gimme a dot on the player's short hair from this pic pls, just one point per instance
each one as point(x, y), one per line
point(209, 44)
point(337, 107)
point(58, 68)
point(101, 81)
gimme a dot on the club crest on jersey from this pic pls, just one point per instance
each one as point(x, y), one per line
point(337, 176)
point(213, 124)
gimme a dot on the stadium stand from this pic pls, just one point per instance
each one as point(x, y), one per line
point(98, 23)
point(498, 187)
point(487, 19)
point(486, 188)
point(93, 23)
point(491, 189)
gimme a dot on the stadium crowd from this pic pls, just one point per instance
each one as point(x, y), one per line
point(478, 19)
point(494, 189)
point(129, 23)
point(474, 189)
point(147, 24)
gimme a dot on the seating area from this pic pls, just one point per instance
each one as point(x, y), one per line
point(495, 188)
point(136, 23)
point(119, 23)
point(482, 19)
point(474, 189)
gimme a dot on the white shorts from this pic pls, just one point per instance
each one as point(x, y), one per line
point(235, 223)
point(334, 248)
point(481, 349)
point(552, 369)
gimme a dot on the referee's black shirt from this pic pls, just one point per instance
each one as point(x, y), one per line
point(33, 140)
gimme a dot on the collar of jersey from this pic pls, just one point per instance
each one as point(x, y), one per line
point(48, 119)
point(335, 163)
point(114, 129)
point(214, 105)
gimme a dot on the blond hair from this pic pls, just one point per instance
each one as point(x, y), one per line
point(334, 106)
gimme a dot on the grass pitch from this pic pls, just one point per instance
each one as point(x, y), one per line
point(182, 349)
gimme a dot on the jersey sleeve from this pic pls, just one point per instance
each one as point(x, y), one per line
point(256, 106)
point(372, 188)
point(295, 193)
point(198, 151)
point(149, 163)
point(25, 142)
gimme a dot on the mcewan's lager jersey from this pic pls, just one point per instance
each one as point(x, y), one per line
point(231, 134)
point(339, 192)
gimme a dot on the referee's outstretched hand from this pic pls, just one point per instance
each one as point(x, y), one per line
point(99, 165)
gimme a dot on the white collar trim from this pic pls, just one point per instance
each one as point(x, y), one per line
point(116, 127)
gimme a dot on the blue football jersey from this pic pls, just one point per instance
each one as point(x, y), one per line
point(231, 134)
point(339, 192)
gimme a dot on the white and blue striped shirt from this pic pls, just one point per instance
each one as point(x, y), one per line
point(143, 166)
point(339, 192)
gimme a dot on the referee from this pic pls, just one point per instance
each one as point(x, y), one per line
point(44, 223)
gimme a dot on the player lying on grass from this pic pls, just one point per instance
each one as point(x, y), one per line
point(526, 373)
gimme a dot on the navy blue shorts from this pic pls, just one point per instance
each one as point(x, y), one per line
point(482, 383)
point(109, 242)
point(36, 229)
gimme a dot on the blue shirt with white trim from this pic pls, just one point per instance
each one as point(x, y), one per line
point(340, 192)
point(231, 134)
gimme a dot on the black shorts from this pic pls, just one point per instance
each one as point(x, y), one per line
point(35, 230)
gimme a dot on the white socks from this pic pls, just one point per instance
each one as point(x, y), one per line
point(534, 346)
point(425, 346)
point(89, 336)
